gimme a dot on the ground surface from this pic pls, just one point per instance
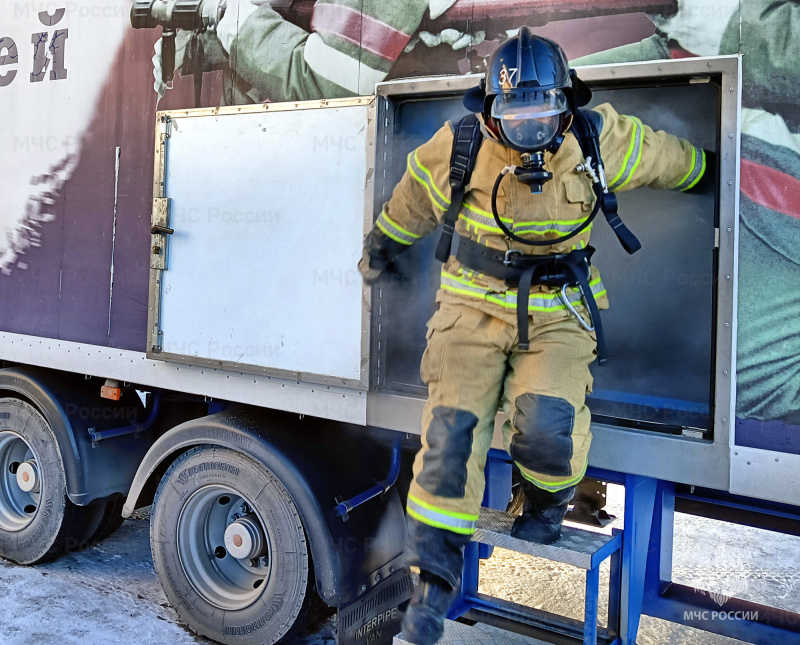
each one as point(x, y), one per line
point(725, 559)
point(109, 594)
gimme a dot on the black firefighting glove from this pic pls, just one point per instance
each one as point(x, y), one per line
point(379, 252)
point(708, 182)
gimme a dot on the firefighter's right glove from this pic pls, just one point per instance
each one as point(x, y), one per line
point(379, 252)
point(369, 274)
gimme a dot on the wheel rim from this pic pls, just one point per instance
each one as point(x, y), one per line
point(17, 506)
point(220, 578)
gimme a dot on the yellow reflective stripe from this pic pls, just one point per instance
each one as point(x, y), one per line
point(631, 147)
point(540, 308)
point(427, 187)
point(521, 230)
point(560, 222)
point(551, 487)
point(438, 525)
point(398, 227)
point(388, 233)
point(696, 173)
point(467, 282)
point(469, 517)
point(700, 174)
point(463, 292)
point(509, 299)
point(487, 222)
point(486, 214)
point(438, 199)
point(395, 231)
point(518, 228)
point(637, 151)
point(485, 227)
point(430, 176)
point(431, 515)
point(496, 300)
point(691, 169)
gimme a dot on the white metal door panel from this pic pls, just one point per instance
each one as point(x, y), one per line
point(268, 209)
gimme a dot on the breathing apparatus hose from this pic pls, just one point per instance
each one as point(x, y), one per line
point(517, 170)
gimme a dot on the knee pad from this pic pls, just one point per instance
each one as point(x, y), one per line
point(444, 464)
point(543, 442)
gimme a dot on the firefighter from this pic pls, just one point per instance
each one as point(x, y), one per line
point(475, 361)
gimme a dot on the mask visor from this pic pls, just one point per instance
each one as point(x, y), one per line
point(531, 120)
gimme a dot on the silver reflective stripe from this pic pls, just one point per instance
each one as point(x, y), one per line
point(394, 231)
point(536, 302)
point(542, 228)
point(436, 518)
point(696, 173)
point(423, 176)
point(632, 158)
point(480, 221)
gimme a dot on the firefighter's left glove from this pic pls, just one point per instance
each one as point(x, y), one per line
point(707, 184)
point(369, 274)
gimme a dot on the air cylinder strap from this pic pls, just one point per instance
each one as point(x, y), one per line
point(467, 140)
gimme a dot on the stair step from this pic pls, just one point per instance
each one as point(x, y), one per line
point(578, 547)
point(460, 634)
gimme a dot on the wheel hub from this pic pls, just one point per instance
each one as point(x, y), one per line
point(244, 538)
point(223, 547)
point(20, 482)
point(28, 477)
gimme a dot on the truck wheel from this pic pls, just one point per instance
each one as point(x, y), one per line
point(37, 520)
point(230, 550)
point(110, 521)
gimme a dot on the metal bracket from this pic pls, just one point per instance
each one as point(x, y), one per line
point(164, 126)
point(159, 232)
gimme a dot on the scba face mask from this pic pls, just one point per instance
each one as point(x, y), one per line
point(530, 120)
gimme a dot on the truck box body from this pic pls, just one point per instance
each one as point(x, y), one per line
point(79, 133)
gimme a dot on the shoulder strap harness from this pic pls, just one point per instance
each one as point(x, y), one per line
point(467, 140)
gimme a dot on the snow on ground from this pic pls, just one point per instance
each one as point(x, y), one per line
point(109, 594)
point(106, 595)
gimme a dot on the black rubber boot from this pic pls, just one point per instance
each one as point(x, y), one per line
point(424, 620)
point(544, 511)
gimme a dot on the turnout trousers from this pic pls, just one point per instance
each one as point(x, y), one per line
point(472, 366)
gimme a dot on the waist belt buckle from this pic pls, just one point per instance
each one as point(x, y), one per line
point(509, 255)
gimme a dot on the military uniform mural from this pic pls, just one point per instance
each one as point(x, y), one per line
point(282, 51)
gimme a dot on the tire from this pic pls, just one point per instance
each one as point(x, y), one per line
point(41, 524)
point(219, 596)
point(110, 520)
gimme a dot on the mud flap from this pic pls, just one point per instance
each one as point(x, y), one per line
point(374, 619)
